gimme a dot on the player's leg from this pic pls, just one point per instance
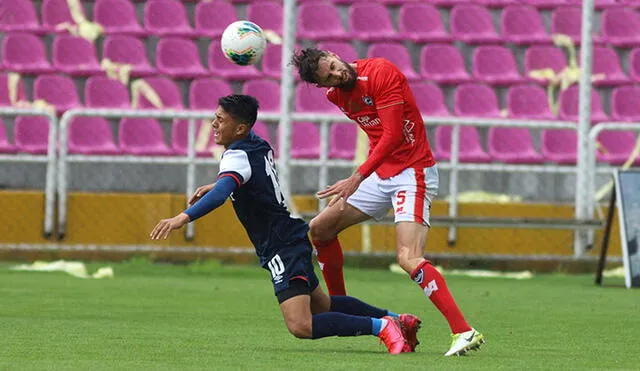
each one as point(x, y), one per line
point(324, 228)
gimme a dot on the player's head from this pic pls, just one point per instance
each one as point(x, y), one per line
point(324, 68)
point(235, 117)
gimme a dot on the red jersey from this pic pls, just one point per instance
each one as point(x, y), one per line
point(382, 104)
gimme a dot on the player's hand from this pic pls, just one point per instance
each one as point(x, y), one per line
point(199, 193)
point(165, 226)
point(342, 189)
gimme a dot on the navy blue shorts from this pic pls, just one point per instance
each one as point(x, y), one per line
point(291, 263)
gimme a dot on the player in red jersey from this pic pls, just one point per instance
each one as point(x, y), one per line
point(400, 172)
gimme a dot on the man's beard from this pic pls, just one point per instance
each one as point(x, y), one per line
point(351, 75)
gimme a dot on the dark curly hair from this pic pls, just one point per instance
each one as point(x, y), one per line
point(242, 108)
point(306, 61)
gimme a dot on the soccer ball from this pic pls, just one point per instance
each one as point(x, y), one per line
point(243, 42)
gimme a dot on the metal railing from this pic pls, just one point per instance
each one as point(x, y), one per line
point(49, 159)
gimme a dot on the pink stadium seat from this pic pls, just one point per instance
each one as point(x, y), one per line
point(19, 15)
point(75, 56)
point(167, 18)
point(103, 92)
point(470, 145)
point(58, 90)
point(443, 64)
point(522, 24)
point(272, 60)
point(91, 136)
point(219, 65)
point(24, 53)
point(5, 146)
point(179, 58)
point(601, 4)
point(476, 100)
point(267, 92)
point(130, 50)
point(213, 17)
point(305, 140)
point(634, 64)
point(397, 54)
point(624, 104)
point(606, 62)
point(421, 22)
point(495, 65)
point(31, 134)
point(344, 50)
point(371, 22)
point(320, 21)
point(621, 27)
point(567, 20)
point(142, 137)
point(473, 24)
point(494, 3)
point(559, 146)
point(528, 102)
point(55, 12)
point(543, 57)
point(618, 146)
point(512, 145)
point(5, 99)
point(168, 92)
point(204, 93)
point(342, 141)
point(117, 17)
point(267, 14)
point(568, 103)
point(429, 99)
point(180, 138)
point(262, 130)
point(309, 98)
point(546, 4)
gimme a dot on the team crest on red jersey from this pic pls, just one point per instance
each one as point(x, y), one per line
point(367, 100)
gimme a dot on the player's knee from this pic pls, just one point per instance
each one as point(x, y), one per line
point(300, 328)
point(319, 230)
point(404, 258)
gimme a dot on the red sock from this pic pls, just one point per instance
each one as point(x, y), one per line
point(434, 286)
point(331, 261)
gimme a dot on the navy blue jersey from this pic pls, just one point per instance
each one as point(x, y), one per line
point(258, 200)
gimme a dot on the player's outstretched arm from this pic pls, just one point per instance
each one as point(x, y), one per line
point(213, 198)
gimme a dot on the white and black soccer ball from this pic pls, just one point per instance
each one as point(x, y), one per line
point(243, 43)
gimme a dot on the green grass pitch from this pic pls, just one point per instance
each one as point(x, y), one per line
point(209, 316)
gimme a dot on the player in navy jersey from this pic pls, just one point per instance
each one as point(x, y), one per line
point(248, 176)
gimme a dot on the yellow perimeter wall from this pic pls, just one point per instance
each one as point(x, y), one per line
point(103, 218)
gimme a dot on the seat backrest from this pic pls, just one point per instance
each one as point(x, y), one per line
point(319, 16)
point(114, 13)
point(634, 63)
point(310, 98)
point(101, 91)
point(18, 13)
point(55, 12)
point(140, 132)
point(87, 131)
point(167, 90)
point(620, 22)
point(58, 90)
point(125, 49)
point(22, 48)
point(471, 19)
point(164, 14)
point(430, 99)
point(567, 20)
point(175, 52)
point(490, 60)
point(204, 93)
point(528, 101)
point(262, 130)
point(476, 100)
point(344, 50)
point(605, 60)
point(419, 17)
point(396, 53)
point(73, 50)
point(441, 58)
point(267, 14)
point(624, 102)
point(569, 107)
point(267, 92)
point(31, 131)
point(214, 15)
point(521, 20)
point(469, 139)
point(343, 140)
point(369, 16)
point(541, 57)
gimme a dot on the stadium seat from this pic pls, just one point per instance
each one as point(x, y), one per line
point(211, 18)
point(546, 4)
point(567, 20)
point(528, 102)
point(24, 53)
point(429, 99)
point(219, 65)
point(204, 93)
point(267, 92)
point(31, 134)
point(342, 141)
point(476, 100)
point(443, 64)
point(601, 4)
point(19, 15)
point(91, 136)
point(512, 145)
point(634, 64)
point(421, 22)
point(320, 21)
point(262, 130)
point(179, 58)
point(606, 62)
point(57, 90)
point(371, 22)
point(492, 3)
point(272, 61)
point(543, 57)
point(624, 104)
point(559, 146)
point(167, 18)
point(522, 24)
point(267, 14)
point(103, 92)
point(470, 149)
point(75, 56)
point(568, 105)
point(118, 17)
point(5, 99)
point(618, 146)
point(495, 65)
point(168, 92)
point(309, 98)
point(305, 140)
point(344, 50)
point(56, 12)
point(142, 137)
point(473, 24)
point(5, 146)
point(180, 138)
point(129, 50)
point(621, 27)
point(397, 54)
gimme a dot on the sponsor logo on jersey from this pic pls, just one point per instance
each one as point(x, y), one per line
point(364, 121)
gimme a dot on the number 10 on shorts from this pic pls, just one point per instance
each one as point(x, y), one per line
point(276, 266)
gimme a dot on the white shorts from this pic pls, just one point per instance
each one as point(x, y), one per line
point(409, 193)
